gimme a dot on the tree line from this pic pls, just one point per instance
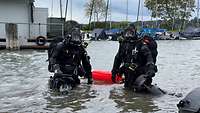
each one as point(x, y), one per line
point(172, 14)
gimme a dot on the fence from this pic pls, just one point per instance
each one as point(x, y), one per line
point(24, 31)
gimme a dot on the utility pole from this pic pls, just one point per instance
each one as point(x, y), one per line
point(106, 13)
point(66, 7)
point(198, 13)
point(71, 10)
point(110, 15)
point(126, 10)
point(138, 13)
point(52, 8)
point(156, 13)
point(61, 8)
point(142, 13)
point(91, 11)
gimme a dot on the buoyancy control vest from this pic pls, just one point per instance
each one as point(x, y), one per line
point(131, 50)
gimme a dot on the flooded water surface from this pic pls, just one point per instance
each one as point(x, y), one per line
point(24, 77)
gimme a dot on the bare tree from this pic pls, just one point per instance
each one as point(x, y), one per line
point(98, 9)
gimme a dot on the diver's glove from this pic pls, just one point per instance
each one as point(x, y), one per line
point(120, 39)
point(113, 78)
point(51, 68)
point(148, 80)
point(151, 70)
point(150, 74)
point(85, 44)
point(90, 80)
point(114, 74)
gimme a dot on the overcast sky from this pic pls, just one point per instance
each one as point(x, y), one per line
point(118, 9)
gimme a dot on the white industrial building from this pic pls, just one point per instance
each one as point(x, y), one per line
point(29, 21)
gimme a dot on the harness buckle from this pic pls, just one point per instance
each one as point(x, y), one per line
point(131, 66)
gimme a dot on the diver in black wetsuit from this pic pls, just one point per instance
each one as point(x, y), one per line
point(70, 57)
point(134, 58)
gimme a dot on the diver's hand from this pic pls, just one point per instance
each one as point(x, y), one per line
point(51, 68)
point(148, 80)
point(151, 70)
point(89, 77)
point(90, 81)
point(150, 73)
point(114, 74)
point(113, 78)
point(57, 69)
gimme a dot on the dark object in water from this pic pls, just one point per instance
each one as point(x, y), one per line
point(191, 33)
point(61, 82)
point(140, 86)
point(191, 103)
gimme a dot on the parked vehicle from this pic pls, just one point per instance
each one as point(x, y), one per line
point(99, 34)
point(114, 33)
point(190, 33)
point(153, 32)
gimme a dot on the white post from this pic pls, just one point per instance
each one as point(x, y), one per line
point(110, 15)
point(142, 13)
point(52, 8)
point(11, 33)
point(198, 12)
point(71, 9)
point(61, 8)
point(66, 9)
point(127, 10)
point(138, 11)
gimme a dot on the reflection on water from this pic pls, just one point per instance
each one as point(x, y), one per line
point(24, 77)
point(72, 101)
point(129, 101)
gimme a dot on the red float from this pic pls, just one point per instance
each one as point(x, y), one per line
point(105, 76)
